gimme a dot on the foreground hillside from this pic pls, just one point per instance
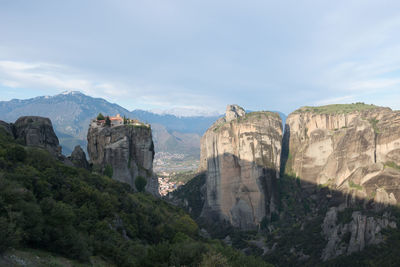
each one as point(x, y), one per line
point(84, 216)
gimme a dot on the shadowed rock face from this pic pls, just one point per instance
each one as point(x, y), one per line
point(78, 158)
point(128, 149)
point(357, 151)
point(37, 131)
point(241, 156)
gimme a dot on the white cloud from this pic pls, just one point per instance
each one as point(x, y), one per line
point(335, 100)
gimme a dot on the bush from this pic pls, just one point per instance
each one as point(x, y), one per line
point(100, 117)
point(9, 236)
point(108, 121)
point(140, 183)
point(16, 153)
point(108, 171)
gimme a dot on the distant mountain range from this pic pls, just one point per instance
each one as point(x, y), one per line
point(72, 111)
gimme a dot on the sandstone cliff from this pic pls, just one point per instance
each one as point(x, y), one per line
point(352, 149)
point(347, 147)
point(241, 156)
point(128, 149)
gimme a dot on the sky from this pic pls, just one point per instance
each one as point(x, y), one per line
point(194, 57)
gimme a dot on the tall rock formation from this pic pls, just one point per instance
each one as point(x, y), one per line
point(241, 156)
point(34, 131)
point(78, 158)
point(128, 149)
point(347, 147)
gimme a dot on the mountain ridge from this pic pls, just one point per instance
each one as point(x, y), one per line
point(71, 112)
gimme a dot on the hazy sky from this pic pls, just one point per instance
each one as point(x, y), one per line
point(201, 55)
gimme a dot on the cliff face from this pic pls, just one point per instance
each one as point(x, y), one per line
point(241, 156)
point(34, 131)
point(78, 158)
point(359, 149)
point(128, 149)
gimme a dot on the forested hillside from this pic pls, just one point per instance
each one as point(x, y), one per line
point(81, 215)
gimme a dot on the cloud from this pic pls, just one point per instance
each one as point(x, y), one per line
point(165, 99)
point(335, 100)
point(18, 74)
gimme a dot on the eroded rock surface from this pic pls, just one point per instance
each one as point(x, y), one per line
point(34, 131)
point(356, 150)
point(347, 237)
point(78, 158)
point(128, 149)
point(241, 156)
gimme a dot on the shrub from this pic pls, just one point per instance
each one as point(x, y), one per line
point(108, 171)
point(100, 117)
point(108, 121)
point(16, 153)
point(140, 183)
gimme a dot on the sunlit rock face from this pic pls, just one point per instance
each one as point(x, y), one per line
point(128, 149)
point(347, 147)
point(241, 156)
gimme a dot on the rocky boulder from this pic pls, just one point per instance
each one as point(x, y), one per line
point(37, 131)
point(240, 154)
point(78, 158)
point(233, 112)
point(127, 149)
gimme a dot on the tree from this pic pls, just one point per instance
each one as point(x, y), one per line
point(108, 171)
point(16, 153)
point(100, 117)
point(140, 183)
point(108, 121)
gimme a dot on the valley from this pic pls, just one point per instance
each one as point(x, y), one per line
point(322, 190)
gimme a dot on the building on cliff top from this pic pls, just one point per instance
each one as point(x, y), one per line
point(118, 120)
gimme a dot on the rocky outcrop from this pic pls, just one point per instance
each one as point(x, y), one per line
point(347, 147)
point(346, 237)
point(128, 149)
point(34, 131)
point(241, 156)
point(78, 158)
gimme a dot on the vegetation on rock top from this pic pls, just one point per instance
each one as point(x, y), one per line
point(337, 108)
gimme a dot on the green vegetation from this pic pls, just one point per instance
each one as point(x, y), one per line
point(108, 171)
point(337, 108)
point(77, 214)
point(393, 165)
point(261, 113)
point(355, 186)
point(108, 121)
point(182, 176)
point(140, 183)
point(100, 117)
point(191, 193)
point(345, 216)
point(374, 123)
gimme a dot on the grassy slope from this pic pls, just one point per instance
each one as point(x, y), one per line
point(336, 108)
